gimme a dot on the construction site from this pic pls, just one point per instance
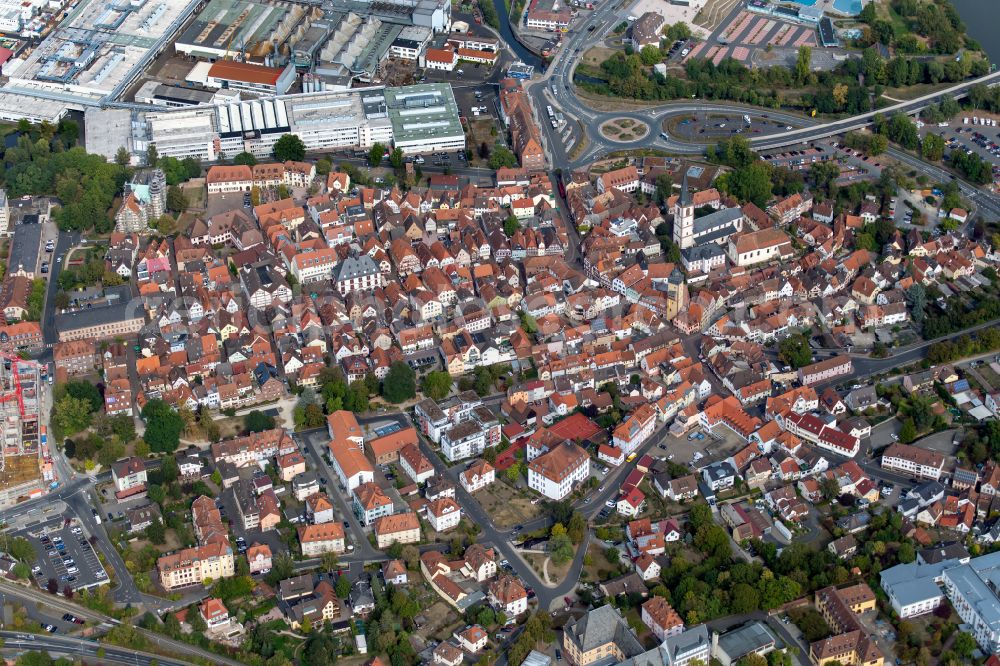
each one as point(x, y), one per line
point(25, 463)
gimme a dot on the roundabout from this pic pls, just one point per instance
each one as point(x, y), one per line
point(624, 130)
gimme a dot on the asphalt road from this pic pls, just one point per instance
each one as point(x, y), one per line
point(556, 87)
point(27, 594)
point(80, 648)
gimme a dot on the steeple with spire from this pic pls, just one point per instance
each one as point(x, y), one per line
point(684, 217)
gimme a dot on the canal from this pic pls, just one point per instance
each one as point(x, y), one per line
point(523, 54)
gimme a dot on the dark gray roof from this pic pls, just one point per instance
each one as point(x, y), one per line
point(355, 267)
point(24, 249)
point(602, 626)
point(117, 312)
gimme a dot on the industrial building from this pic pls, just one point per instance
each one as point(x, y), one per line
point(252, 31)
point(94, 54)
point(420, 118)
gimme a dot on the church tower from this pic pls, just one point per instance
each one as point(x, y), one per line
point(677, 294)
point(684, 217)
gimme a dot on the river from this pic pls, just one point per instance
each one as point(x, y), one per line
point(980, 21)
point(526, 56)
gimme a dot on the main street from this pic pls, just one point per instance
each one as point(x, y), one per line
point(31, 595)
point(16, 643)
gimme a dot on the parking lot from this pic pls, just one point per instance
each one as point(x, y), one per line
point(64, 555)
point(710, 127)
point(964, 134)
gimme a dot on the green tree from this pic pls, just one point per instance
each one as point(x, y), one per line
point(123, 158)
point(246, 159)
point(21, 550)
point(877, 145)
point(258, 421)
point(932, 147)
point(650, 55)
point(176, 199)
point(396, 158)
point(794, 350)
point(803, 60)
point(289, 147)
point(156, 533)
point(560, 548)
point(751, 183)
point(84, 390)
point(163, 426)
point(502, 157)
point(71, 415)
point(908, 432)
point(376, 154)
point(511, 225)
point(343, 586)
point(195, 620)
point(400, 383)
point(323, 166)
point(436, 385)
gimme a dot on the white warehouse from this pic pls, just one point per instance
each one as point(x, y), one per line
point(421, 118)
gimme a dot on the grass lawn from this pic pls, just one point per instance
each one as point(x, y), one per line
point(599, 568)
point(506, 506)
point(556, 573)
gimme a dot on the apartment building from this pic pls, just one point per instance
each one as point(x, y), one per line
point(370, 503)
point(913, 461)
point(191, 566)
point(826, 370)
point(555, 472)
point(397, 528)
point(316, 540)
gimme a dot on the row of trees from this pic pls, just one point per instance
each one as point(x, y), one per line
point(336, 393)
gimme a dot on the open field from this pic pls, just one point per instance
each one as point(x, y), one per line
point(506, 507)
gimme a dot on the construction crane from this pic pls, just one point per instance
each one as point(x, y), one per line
point(15, 363)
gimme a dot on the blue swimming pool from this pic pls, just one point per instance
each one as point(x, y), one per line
point(850, 7)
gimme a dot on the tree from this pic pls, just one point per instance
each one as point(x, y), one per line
point(794, 350)
point(877, 145)
point(829, 488)
point(576, 528)
point(752, 183)
point(376, 154)
point(964, 644)
point(502, 157)
point(21, 550)
point(560, 547)
point(396, 158)
point(343, 586)
point(650, 55)
point(84, 390)
point(289, 147)
point(123, 158)
point(156, 533)
point(906, 554)
point(932, 147)
point(195, 620)
point(163, 426)
point(152, 156)
point(802, 63)
point(840, 91)
point(436, 385)
point(323, 166)
point(321, 650)
point(176, 199)
point(908, 432)
point(511, 225)
point(246, 159)
point(400, 383)
point(258, 421)
point(916, 299)
point(330, 561)
point(71, 415)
